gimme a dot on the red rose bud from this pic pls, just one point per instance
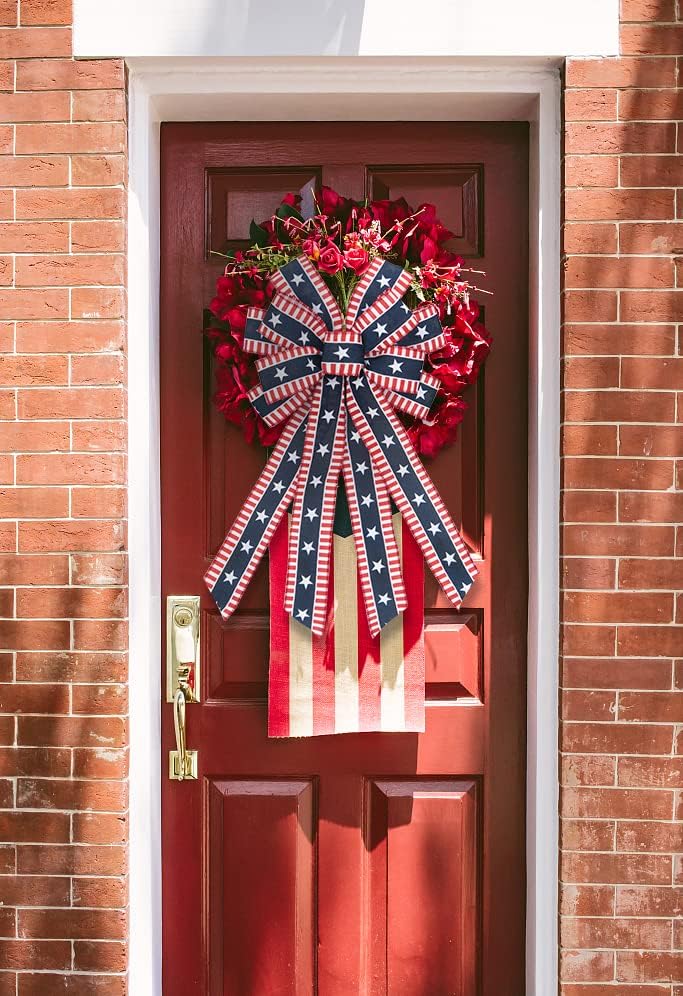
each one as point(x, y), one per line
point(331, 259)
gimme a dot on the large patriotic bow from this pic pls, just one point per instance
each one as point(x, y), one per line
point(337, 380)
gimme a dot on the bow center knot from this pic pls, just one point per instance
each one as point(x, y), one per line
point(342, 356)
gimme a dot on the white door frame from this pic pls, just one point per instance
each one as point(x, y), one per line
point(343, 89)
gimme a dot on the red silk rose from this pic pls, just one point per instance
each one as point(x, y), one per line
point(330, 259)
point(357, 259)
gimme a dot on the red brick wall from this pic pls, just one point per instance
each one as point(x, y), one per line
point(622, 684)
point(62, 505)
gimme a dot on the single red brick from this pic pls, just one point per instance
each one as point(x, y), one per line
point(105, 635)
point(657, 707)
point(650, 641)
point(45, 106)
point(22, 437)
point(47, 204)
point(9, 10)
point(34, 890)
point(607, 138)
point(76, 468)
point(25, 304)
point(79, 137)
point(77, 603)
point(580, 640)
point(40, 827)
point(591, 372)
point(69, 74)
point(34, 370)
point(651, 441)
point(646, 373)
point(24, 43)
point(601, 932)
point(33, 634)
point(645, 836)
point(92, 763)
point(586, 900)
point(651, 39)
point(100, 828)
point(99, 569)
point(589, 306)
point(104, 893)
point(649, 507)
point(55, 763)
point(591, 104)
point(96, 302)
point(99, 105)
point(98, 236)
point(651, 171)
point(651, 573)
point(34, 503)
point(616, 803)
point(73, 666)
point(616, 738)
point(598, 440)
point(617, 606)
point(23, 569)
point(619, 406)
point(647, 10)
point(589, 238)
point(72, 403)
point(64, 731)
point(68, 271)
point(651, 238)
point(587, 672)
point(46, 12)
point(98, 171)
point(100, 956)
point(616, 205)
point(589, 705)
point(588, 769)
point(591, 171)
point(34, 237)
point(71, 859)
point(89, 924)
point(602, 72)
point(100, 436)
point(100, 503)
point(589, 506)
point(63, 793)
point(607, 472)
point(71, 985)
point(35, 954)
point(649, 966)
point(69, 337)
point(34, 171)
point(648, 869)
point(105, 369)
point(639, 900)
point(588, 572)
point(647, 772)
point(587, 835)
point(25, 698)
point(610, 271)
point(585, 966)
point(650, 105)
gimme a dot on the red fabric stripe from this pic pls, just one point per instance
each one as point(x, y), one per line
point(278, 672)
point(323, 668)
point(413, 633)
point(369, 672)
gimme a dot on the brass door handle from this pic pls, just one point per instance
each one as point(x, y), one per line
point(182, 763)
point(182, 672)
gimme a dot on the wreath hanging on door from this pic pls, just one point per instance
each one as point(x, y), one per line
point(344, 338)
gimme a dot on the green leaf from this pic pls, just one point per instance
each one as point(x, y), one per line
point(257, 235)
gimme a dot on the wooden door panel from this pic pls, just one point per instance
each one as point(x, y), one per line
point(422, 887)
point(368, 863)
point(261, 847)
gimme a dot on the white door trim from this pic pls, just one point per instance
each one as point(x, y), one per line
point(351, 89)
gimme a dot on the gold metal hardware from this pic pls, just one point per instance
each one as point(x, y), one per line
point(182, 763)
point(182, 647)
point(182, 677)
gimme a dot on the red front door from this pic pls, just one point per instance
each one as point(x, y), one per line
point(364, 863)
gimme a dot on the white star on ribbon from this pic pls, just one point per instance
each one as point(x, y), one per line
point(377, 566)
point(281, 373)
point(275, 320)
point(396, 367)
point(311, 513)
point(305, 581)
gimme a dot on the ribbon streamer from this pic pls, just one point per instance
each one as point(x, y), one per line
point(337, 381)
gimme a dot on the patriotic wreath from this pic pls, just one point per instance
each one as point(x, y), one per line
point(358, 318)
point(341, 237)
